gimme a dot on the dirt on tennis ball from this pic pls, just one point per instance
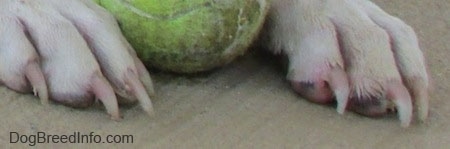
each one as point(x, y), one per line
point(188, 36)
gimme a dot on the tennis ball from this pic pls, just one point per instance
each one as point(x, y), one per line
point(188, 36)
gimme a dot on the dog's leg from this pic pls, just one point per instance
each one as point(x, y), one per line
point(19, 62)
point(409, 57)
point(80, 49)
point(308, 38)
point(380, 75)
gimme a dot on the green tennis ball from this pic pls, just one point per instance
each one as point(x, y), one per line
point(188, 35)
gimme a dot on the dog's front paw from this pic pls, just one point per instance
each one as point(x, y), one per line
point(353, 51)
point(71, 50)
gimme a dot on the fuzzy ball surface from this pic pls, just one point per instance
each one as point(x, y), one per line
point(188, 36)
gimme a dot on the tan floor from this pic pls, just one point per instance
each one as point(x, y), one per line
point(248, 104)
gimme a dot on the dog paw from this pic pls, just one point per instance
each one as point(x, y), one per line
point(353, 52)
point(71, 52)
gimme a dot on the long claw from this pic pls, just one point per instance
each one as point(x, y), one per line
point(422, 107)
point(144, 76)
point(37, 81)
point(105, 93)
point(420, 95)
point(340, 86)
point(399, 95)
point(138, 90)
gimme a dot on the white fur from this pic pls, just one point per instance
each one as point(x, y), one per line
point(76, 41)
point(316, 33)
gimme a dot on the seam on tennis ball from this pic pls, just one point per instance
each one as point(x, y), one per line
point(171, 16)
